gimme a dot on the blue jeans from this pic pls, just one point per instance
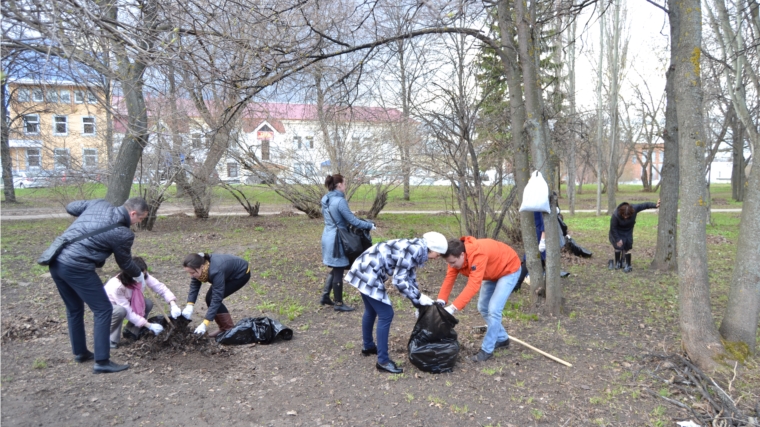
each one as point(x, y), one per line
point(493, 298)
point(77, 287)
point(384, 314)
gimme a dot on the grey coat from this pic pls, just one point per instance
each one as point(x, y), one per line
point(92, 253)
point(336, 201)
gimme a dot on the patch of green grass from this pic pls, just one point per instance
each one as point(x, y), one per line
point(290, 308)
point(459, 410)
point(490, 371)
point(396, 377)
point(409, 397)
point(267, 307)
point(537, 414)
point(436, 401)
point(513, 310)
point(39, 363)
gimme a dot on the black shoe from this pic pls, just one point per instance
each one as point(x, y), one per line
point(502, 344)
point(369, 351)
point(611, 264)
point(84, 357)
point(114, 345)
point(389, 367)
point(108, 368)
point(482, 356)
point(342, 307)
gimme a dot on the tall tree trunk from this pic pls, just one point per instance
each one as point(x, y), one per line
point(738, 180)
point(700, 337)
point(5, 147)
point(612, 167)
point(405, 110)
point(537, 129)
point(120, 180)
point(571, 166)
point(517, 117)
point(741, 316)
point(665, 258)
point(599, 115)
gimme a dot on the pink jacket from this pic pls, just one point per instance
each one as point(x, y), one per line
point(121, 295)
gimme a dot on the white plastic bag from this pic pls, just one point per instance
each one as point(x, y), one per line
point(536, 195)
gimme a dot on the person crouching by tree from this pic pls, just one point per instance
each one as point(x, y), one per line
point(492, 267)
point(227, 274)
point(621, 233)
point(400, 258)
point(129, 301)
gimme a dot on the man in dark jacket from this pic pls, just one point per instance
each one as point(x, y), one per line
point(73, 271)
point(621, 232)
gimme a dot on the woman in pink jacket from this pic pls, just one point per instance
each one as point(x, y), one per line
point(128, 301)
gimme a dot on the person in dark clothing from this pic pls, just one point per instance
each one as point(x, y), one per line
point(227, 274)
point(336, 214)
point(621, 232)
point(73, 271)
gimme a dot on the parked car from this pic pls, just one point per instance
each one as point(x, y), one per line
point(30, 179)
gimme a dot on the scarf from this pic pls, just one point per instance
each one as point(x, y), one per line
point(138, 299)
point(203, 278)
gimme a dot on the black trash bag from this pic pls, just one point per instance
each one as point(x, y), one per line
point(262, 330)
point(433, 345)
point(578, 250)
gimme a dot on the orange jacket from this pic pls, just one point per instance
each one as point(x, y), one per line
point(485, 259)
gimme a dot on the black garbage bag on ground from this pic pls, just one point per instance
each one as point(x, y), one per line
point(262, 330)
point(433, 345)
point(578, 250)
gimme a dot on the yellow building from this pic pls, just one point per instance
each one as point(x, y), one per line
point(56, 126)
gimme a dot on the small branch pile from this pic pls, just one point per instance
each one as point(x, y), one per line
point(711, 404)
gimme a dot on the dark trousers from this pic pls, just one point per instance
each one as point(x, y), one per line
point(229, 288)
point(374, 309)
point(77, 287)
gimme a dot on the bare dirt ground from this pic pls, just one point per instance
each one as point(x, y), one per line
point(613, 325)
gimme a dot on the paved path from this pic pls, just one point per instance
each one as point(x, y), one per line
point(55, 213)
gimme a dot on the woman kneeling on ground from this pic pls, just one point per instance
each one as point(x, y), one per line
point(227, 274)
point(621, 232)
point(128, 300)
point(400, 258)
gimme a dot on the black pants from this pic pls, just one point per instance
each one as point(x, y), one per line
point(337, 274)
point(229, 289)
point(77, 287)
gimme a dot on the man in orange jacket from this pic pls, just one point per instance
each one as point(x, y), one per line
point(492, 267)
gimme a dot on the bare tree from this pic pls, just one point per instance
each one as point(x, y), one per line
point(699, 334)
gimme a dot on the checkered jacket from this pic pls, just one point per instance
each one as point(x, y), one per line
point(399, 258)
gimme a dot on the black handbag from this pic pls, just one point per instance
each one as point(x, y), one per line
point(61, 242)
point(353, 240)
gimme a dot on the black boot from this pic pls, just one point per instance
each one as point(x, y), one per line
point(326, 291)
point(627, 267)
point(614, 265)
point(338, 294)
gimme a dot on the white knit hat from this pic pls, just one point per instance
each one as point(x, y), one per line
point(436, 242)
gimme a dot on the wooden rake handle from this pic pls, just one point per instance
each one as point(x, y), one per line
point(556, 359)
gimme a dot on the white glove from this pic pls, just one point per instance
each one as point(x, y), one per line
point(155, 328)
point(374, 227)
point(440, 302)
point(175, 311)
point(187, 313)
point(542, 245)
point(425, 300)
point(451, 309)
point(201, 329)
point(416, 313)
point(140, 279)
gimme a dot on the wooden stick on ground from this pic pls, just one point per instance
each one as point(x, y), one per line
point(556, 359)
point(158, 303)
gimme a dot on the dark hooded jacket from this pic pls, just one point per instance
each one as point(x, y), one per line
point(222, 268)
point(92, 252)
point(622, 229)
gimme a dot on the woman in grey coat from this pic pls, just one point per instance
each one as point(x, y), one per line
point(336, 214)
